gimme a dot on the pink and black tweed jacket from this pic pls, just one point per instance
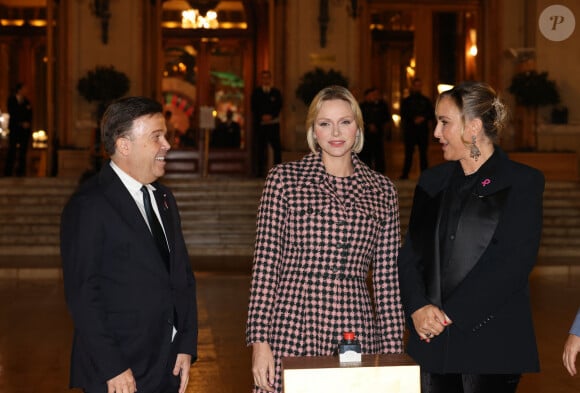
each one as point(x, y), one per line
point(313, 254)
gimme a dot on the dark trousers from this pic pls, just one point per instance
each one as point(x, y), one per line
point(411, 139)
point(269, 134)
point(17, 144)
point(469, 383)
point(373, 152)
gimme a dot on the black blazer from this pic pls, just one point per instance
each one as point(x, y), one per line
point(122, 299)
point(20, 112)
point(497, 242)
point(265, 103)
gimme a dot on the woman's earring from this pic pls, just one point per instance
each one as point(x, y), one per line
point(473, 149)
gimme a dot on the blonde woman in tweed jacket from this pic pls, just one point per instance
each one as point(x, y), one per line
point(323, 222)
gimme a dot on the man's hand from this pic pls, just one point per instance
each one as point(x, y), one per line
point(571, 349)
point(182, 365)
point(430, 321)
point(263, 366)
point(122, 383)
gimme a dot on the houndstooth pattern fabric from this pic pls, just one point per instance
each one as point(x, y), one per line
point(312, 257)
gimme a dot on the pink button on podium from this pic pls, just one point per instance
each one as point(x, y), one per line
point(394, 373)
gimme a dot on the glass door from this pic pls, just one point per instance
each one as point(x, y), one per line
point(206, 64)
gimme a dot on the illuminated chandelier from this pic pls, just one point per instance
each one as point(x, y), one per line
point(201, 15)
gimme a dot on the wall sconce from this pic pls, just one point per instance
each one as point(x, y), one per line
point(353, 8)
point(473, 51)
point(473, 39)
point(522, 54)
point(396, 119)
point(100, 9)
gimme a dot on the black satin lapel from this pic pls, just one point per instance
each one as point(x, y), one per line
point(475, 230)
point(433, 270)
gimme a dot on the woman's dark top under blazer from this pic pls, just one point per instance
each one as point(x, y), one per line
point(493, 250)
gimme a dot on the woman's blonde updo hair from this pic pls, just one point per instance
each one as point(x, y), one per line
point(334, 93)
point(478, 100)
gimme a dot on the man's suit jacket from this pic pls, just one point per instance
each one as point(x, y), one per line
point(123, 301)
point(20, 113)
point(496, 244)
point(263, 103)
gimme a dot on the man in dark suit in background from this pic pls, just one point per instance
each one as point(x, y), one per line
point(20, 126)
point(127, 276)
point(266, 107)
point(417, 116)
point(377, 119)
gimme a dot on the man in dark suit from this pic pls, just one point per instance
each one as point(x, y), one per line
point(417, 116)
point(127, 276)
point(20, 126)
point(266, 107)
point(377, 118)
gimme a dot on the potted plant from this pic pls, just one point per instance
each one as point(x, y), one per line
point(314, 81)
point(102, 85)
point(532, 90)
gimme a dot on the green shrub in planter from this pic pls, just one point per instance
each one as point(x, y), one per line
point(533, 89)
point(103, 84)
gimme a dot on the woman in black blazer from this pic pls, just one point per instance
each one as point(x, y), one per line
point(472, 242)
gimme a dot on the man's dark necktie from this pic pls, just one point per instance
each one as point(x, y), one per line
point(156, 229)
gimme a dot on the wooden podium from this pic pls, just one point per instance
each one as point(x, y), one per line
point(396, 373)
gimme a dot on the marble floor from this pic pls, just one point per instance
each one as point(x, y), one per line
point(35, 332)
